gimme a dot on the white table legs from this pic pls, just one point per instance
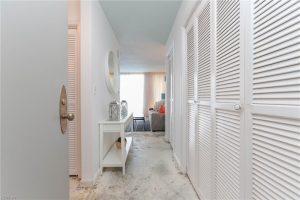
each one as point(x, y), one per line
point(101, 148)
point(123, 146)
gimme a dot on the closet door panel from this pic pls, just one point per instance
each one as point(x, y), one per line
point(191, 170)
point(204, 131)
point(275, 103)
point(228, 108)
point(192, 107)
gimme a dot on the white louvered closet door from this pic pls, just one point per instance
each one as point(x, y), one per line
point(192, 106)
point(229, 100)
point(204, 131)
point(73, 101)
point(275, 102)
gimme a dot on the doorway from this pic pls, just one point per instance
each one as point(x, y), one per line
point(170, 97)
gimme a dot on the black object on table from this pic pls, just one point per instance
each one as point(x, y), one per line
point(141, 118)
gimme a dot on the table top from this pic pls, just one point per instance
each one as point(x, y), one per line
point(138, 117)
point(122, 121)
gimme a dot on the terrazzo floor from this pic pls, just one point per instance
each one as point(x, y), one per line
point(150, 175)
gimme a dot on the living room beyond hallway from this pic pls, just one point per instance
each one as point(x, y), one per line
point(144, 94)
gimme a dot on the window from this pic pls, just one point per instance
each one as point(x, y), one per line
point(132, 90)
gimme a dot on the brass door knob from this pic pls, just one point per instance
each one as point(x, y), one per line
point(69, 116)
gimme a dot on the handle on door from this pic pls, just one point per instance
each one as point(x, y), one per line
point(237, 107)
point(63, 110)
point(69, 116)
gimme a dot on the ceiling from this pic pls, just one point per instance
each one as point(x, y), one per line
point(142, 28)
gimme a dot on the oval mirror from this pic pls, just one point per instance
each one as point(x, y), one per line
point(112, 72)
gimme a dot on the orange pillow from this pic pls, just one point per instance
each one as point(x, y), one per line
point(162, 109)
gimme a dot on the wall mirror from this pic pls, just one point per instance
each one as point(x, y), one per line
point(112, 72)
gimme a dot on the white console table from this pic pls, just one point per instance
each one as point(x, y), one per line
point(115, 157)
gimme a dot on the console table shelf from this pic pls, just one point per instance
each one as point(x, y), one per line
point(115, 157)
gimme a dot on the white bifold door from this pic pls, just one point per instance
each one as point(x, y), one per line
point(192, 106)
point(229, 97)
point(275, 100)
point(243, 96)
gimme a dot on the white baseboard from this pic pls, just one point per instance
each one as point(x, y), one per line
point(90, 182)
point(178, 163)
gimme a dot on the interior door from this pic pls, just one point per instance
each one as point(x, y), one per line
point(204, 79)
point(191, 103)
point(229, 118)
point(34, 67)
point(275, 100)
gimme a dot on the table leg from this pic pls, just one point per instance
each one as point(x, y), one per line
point(123, 148)
point(101, 149)
point(131, 124)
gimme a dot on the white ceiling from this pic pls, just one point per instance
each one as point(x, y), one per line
point(142, 28)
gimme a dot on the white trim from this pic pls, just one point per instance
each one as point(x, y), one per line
point(213, 94)
point(192, 14)
point(90, 182)
point(184, 101)
point(168, 122)
point(178, 164)
point(196, 58)
point(244, 160)
point(291, 112)
point(248, 60)
point(0, 106)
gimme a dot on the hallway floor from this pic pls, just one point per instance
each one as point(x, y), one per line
point(150, 175)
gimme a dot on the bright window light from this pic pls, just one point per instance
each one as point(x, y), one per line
point(132, 90)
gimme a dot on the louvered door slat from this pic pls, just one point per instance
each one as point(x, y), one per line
point(276, 83)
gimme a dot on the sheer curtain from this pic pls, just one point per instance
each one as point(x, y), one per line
point(132, 90)
point(154, 85)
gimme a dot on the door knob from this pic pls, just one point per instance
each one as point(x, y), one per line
point(237, 107)
point(63, 111)
point(69, 116)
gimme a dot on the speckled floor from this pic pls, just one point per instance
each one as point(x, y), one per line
point(150, 175)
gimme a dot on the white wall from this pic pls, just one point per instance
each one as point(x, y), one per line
point(97, 38)
point(177, 37)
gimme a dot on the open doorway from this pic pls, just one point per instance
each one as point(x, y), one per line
point(132, 90)
point(170, 98)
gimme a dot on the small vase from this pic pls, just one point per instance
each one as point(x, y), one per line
point(114, 111)
point(124, 109)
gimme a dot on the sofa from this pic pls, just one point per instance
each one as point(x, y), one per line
point(157, 119)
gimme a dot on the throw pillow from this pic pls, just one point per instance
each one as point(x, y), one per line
point(162, 108)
